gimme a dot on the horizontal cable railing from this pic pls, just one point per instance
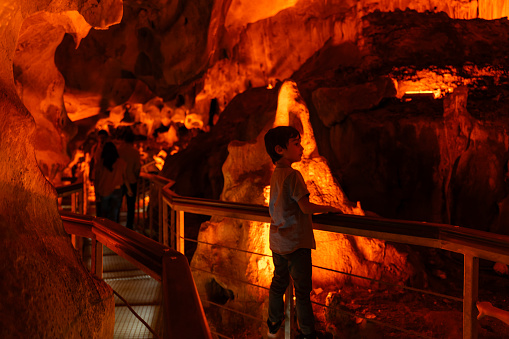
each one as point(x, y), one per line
point(472, 244)
point(147, 184)
point(230, 278)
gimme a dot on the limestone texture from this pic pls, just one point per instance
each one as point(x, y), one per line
point(407, 104)
point(47, 291)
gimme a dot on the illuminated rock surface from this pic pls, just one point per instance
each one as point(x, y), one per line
point(440, 160)
point(47, 292)
point(247, 172)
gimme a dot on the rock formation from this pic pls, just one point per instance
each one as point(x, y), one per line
point(407, 101)
point(47, 292)
point(175, 63)
point(247, 173)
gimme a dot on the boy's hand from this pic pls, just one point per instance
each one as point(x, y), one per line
point(483, 307)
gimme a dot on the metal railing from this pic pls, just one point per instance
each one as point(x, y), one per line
point(148, 217)
point(182, 309)
point(78, 204)
point(77, 194)
point(183, 312)
point(472, 244)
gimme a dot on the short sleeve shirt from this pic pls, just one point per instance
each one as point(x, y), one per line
point(290, 228)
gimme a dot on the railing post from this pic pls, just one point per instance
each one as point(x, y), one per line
point(151, 212)
point(165, 222)
point(84, 195)
point(97, 258)
point(173, 227)
point(137, 203)
point(160, 214)
point(180, 231)
point(75, 240)
point(289, 311)
point(143, 199)
point(73, 202)
point(470, 294)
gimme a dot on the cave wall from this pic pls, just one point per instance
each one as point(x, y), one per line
point(348, 58)
point(203, 50)
point(47, 291)
point(246, 172)
point(443, 160)
point(404, 159)
point(415, 159)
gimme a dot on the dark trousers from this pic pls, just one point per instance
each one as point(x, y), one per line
point(297, 265)
point(131, 204)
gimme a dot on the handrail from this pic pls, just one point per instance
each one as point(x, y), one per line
point(413, 232)
point(473, 244)
point(62, 190)
point(161, 262)
point(158, 182)
point(156, 178)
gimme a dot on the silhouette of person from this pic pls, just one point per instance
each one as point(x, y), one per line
point(131, 156)
point(95, 154)
point(110, 175)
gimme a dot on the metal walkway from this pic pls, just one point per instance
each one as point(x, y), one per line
point(142, 293)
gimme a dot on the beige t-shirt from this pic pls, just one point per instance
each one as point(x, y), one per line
point(290, 228)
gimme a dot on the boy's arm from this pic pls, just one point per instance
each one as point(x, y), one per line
point(487, 309)
point(308, 207)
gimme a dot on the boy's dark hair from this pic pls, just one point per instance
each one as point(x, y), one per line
point(280, 135)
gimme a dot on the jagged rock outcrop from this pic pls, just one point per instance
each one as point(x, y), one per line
point(47, 292)
point(353, 61)
point(203, 50)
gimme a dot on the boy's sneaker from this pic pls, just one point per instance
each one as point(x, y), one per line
point(274, 328)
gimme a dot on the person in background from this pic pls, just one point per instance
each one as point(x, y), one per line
point(110, 175)
point(291, 235)
point(131, 156)
point(95, 154)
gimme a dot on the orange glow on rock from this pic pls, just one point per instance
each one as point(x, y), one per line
point(244, 12)
point(292, 111)
point(266, 195)
point(361, 256)
point(435, 82)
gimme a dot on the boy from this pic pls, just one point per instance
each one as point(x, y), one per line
point(291, 230)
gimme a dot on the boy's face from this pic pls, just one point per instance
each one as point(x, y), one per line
point(293, 151)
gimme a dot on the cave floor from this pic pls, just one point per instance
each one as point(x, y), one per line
point(419, 314)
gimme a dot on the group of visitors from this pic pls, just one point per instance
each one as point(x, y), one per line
point(115, 168)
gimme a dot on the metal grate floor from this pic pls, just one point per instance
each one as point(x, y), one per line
point(142, 293)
